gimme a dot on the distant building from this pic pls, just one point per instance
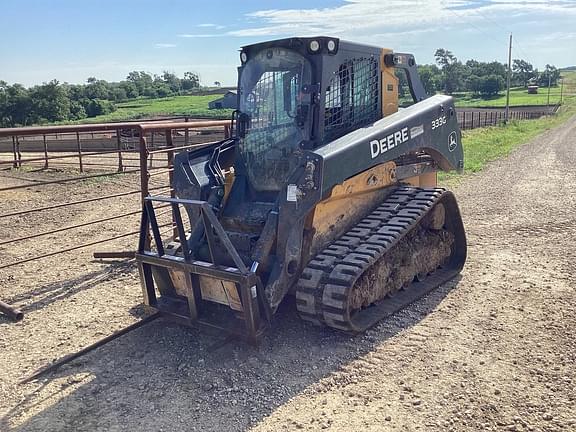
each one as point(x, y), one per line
point(229, 100)
point(532, 89)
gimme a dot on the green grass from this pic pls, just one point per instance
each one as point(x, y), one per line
point(484, 145)
point(194, 106)
point(518, 97)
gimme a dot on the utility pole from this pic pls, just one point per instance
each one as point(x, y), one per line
point(548, 101)
point(507, 114)
point(561, 88)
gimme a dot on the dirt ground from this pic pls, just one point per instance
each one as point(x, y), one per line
point(493, 350)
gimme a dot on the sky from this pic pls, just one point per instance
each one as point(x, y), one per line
point(71, 40)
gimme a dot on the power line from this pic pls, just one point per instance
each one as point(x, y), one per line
point(522, 52)
point(475, 26)
point(507, 31)
point(519, 51)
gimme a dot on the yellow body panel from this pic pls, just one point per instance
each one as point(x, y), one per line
point(423, 180)
point(389, 86)
point(350, 201)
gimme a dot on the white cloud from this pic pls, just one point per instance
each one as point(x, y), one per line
point(391, 16)
point(210, 25)
point(165, 45)
point(201, 35)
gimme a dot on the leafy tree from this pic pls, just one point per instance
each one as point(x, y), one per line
point(130, 89)
point(551, 74)
point(3, 103)
point(18, 106)
point(118, 93)
point(190, 81)
point(473, 84)
point(98, 107)
point(522, 72)
point(55, 101)
point(161, 90)
point(482, 69)
point(172, 81)
point(444, 57)
point(453, 71)
point(491, 85)
point(96, 89)
point(143, 82)
point(431, 78)
point(50, 101)
point(403, 89)
point(77, 111)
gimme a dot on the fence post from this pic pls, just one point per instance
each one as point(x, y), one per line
point(45, 151)
point(119, 146)
point(152, 147)
point(18, 152)
point(143, 166)
point(144, 177)
point(15, 163)
point(79, 145)
point(186, 132)
point(170, 156)
point(479, 121)
point(485, 117)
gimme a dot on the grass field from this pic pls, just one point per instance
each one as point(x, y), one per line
point(518, 97)
point(487, 144)
point(194, 106)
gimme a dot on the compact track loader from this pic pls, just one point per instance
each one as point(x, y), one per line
point(326, 190)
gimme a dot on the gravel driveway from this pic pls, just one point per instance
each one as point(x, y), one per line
point(494, 350)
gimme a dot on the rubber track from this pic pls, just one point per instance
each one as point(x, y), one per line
point(326, 282)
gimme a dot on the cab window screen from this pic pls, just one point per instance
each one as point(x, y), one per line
point(351, 98)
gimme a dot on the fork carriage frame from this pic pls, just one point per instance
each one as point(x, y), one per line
point(188, 310)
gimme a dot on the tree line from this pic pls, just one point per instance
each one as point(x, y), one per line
point(55, 101)
point(485, 79)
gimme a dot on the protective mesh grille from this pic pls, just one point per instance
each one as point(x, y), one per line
point(351, 97)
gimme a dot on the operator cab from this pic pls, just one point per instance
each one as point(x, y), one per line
point(298, 94)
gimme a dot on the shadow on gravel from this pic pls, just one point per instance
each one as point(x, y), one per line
point(45, 295)
point(166, 377)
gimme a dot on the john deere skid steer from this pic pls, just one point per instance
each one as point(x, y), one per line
point(326, 190)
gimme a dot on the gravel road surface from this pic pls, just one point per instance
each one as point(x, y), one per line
point(494, 350)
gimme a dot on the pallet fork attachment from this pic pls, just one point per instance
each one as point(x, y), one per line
point(191, 307)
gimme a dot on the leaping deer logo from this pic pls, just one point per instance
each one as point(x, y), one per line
point(452, 141)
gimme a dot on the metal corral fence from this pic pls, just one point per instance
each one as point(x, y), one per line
point(477, 118)
point(141, 154)
point(97, 146)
